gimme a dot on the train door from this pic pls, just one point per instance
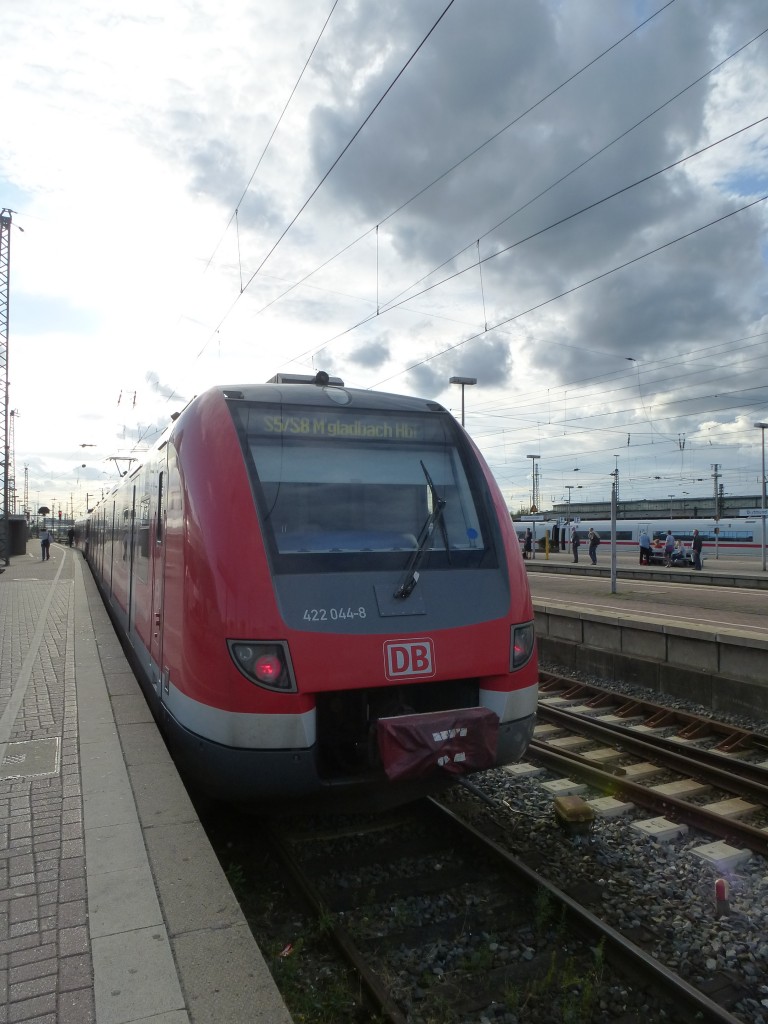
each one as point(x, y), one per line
point(112, 547)
point(128, 541)
point(157, 583)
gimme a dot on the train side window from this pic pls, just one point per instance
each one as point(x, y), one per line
point(159, 524)
point(141, 554)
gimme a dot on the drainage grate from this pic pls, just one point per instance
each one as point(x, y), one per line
point(30, 758)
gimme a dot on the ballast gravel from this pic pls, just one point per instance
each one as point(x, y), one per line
point(657, 893)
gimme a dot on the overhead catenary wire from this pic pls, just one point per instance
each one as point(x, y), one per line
point(578, 287)
point(387, 307)
point(657, 372)
point(444, 174)
point(272, 134)
point(334, 164)
point(584, 209)
point(637, 370)
point(591, 157)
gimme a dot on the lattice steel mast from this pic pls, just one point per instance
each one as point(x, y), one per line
point(12, 495)
point(5, 287)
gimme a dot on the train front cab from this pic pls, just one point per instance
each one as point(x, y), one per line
point(359, 565)
point(316, 530)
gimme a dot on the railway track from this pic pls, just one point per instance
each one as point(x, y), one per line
point(443, 923)
point(703, 773)
point(487, 906)
point(707, 732)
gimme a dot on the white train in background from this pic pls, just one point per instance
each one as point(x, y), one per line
point(741, 535)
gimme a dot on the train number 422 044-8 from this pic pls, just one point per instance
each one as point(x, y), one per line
point(333, 614)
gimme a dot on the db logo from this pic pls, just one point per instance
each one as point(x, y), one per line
point(409, 658)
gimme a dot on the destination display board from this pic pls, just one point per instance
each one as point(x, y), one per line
point(337, 424)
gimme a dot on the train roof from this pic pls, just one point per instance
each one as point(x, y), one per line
point(302, 393)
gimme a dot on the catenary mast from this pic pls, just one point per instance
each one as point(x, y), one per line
point(5, 284)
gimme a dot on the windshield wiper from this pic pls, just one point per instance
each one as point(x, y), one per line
point(435, 518)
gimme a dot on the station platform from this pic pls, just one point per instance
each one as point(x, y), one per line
point(730, 592)
point(113, 906)
point(697, 635)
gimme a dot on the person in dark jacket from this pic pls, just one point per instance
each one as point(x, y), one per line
point(528, 544)
point(696, 546)
point(575, 542)
point(594, 540)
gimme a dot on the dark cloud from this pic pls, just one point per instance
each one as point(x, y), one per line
point(488, 358)
point(480, 70)
point(371, 354)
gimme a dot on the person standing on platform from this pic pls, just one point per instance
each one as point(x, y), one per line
point(645, 549)
point(696, 546)
point(669, 547)
point(528, 544)
point(594, 540)
point(45, 544)
point(575, 542)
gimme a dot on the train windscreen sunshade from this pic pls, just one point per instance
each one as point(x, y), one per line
point(354, 489)
point(445, 742)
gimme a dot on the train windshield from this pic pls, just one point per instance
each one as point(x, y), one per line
point(346, 489)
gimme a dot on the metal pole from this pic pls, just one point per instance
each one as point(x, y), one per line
point(569, 488)
point(762, 427)
point(613, 532)
point(5, 287)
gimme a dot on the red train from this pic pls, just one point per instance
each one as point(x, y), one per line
point(322, 591)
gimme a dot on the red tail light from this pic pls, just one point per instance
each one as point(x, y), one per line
point(266, 664)
point(523, 640)
point(267, 668)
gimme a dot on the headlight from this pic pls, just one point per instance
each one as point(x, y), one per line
point(523, 640)
point(265, 664)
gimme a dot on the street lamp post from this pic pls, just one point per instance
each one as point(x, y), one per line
point(569, 488)
point(762, 427)
point(464, 382)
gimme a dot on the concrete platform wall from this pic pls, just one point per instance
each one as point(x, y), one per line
point(726, 671)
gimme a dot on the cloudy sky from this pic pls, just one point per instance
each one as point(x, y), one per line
point(564, 200)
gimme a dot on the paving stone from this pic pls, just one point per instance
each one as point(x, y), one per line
point(75, 972)
point(36, 969)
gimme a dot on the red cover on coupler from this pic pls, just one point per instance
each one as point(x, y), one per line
point(450, 742)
